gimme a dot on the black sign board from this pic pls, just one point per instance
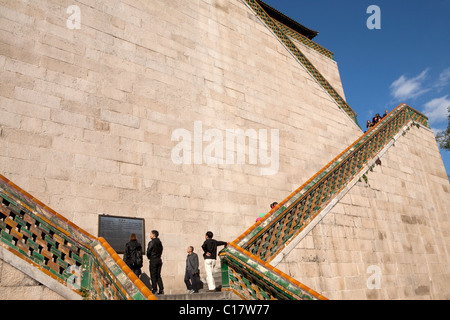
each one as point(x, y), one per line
point(117, 231)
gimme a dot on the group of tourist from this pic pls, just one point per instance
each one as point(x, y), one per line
point(377, 118)
point(261, 215)
point(133, 258)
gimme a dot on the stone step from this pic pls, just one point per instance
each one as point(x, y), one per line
point(202, 295)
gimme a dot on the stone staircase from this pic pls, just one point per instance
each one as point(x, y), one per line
point(203, 294)
point(249, 263)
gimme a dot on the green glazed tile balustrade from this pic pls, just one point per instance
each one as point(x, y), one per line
point(307, 42)
point(61, 250)
point(252, 279)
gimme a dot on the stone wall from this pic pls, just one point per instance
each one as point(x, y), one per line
point(388, 238)
point(326, 66)
point(16, 285)
point(87, 115)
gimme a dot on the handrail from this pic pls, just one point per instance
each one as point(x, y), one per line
point(304, 40)
point(269, 236)
point(293, 214)
point(45, 240)
point(253, 279)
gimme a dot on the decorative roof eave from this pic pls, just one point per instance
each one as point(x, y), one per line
point(304, 40)
point(289, 22)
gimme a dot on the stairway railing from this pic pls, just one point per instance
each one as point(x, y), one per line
point(268, 237)
point(253, 279)
point(282, 34)
point(37, 237)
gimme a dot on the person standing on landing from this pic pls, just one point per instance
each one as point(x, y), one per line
point(210, 255)
point(154, 252)
point(133, 255)
point(191, 271)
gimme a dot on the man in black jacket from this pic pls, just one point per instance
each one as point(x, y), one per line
point(210, 254)
point(154, 252)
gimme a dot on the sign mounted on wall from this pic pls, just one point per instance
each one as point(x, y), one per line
point(117, 230)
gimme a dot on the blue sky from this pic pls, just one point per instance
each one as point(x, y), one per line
point(407, 60)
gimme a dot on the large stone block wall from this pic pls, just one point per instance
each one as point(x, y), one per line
point(326, 66)
point(387, 238)
point(16, 285)
point(87, 115)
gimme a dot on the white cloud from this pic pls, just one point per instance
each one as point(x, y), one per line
point(436, 109)
point(405, 89)
point(444, 77)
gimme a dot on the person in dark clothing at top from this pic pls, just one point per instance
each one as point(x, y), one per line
point(210, 255)
point(154, 252)
point(133, 255)
point(376, 119)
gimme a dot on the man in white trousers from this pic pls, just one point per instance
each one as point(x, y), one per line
point(210, 255)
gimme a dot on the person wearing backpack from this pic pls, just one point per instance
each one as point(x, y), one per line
point(133, 255)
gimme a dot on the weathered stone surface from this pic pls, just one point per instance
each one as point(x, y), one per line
point(15, 285)
point(400, 236)
point(87, 117)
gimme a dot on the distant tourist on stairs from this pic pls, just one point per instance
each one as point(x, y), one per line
point(210, 255)
point(376, 119)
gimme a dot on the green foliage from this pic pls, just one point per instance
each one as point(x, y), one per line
point(443, 137)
